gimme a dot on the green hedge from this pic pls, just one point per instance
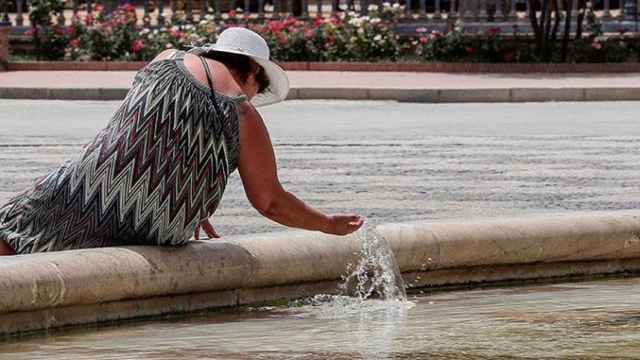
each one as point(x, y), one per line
point(347, 37)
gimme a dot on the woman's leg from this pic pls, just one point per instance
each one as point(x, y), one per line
point(5, 249)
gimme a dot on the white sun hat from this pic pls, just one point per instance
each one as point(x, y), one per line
point(242, 41)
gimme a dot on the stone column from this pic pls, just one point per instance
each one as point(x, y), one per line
point(4, 46)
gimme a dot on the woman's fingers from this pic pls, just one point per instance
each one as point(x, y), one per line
point(344, 224)
point(208, 229)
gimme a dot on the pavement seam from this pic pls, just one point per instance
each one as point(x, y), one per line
point(514, 94)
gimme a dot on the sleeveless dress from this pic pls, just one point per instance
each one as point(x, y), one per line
point(149, 177)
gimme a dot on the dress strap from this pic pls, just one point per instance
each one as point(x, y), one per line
point(210, 82)
point(208, 73)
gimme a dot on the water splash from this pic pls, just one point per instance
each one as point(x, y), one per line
point(372, 305)
point(377, 274)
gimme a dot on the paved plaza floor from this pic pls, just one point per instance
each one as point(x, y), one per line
point(389, 161)
point(333, 79)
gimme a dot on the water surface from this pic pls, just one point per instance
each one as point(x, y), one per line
point(589, 320)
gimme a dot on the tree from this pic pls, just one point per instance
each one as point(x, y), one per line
point(545, 17)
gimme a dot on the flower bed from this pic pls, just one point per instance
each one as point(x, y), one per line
point(346, 37)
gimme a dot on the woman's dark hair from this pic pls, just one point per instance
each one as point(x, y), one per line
point(241, 65)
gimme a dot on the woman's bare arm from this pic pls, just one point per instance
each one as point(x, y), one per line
point(258, 170)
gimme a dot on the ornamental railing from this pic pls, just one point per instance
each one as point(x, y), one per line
point(613, 14)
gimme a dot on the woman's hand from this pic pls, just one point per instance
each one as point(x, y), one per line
point(343, 224)
point(208, 229)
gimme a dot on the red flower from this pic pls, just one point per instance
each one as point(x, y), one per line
point(318, 21)
point(289, 21)
point(232, 13)
point(74, 42)
point(509, 56)
point(282, 39)
point(88, 20)
point(470, 51)
point(275, 26)
point(423, 39)
point(137, 45)
point(494, 30)
point(30, 32)
point(98, 7)
point(70, 30)
point(128, 7)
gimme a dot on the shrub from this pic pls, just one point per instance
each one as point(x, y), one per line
point(49, 40)
point(346, 37)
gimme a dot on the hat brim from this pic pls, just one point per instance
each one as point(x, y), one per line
point(278, 80)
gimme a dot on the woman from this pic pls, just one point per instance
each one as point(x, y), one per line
point(157, 172)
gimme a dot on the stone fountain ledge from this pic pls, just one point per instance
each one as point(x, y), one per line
point(52, 290)
point(404, 86)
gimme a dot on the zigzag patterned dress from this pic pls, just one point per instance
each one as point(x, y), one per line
point(157, 169)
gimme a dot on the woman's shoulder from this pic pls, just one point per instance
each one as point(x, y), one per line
point(222, 79)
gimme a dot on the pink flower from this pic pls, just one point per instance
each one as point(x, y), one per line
point(423, 39)
point(421, 30)
point(470, 51)
point(596, 45)
point(308, 33)
point(232, 13)
point(98, 8)
point(74, 42)
point(176, 33)
point(282, 39)
point(137, 45)
point(30, 32)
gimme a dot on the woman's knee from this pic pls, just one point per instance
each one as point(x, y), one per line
point(6, 249)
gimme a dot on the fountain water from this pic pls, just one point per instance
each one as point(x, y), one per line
point(377, 273)
point(372, 306)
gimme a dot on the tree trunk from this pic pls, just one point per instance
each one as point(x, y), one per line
point(533, 17)
point(567, 30)
point(580, 19)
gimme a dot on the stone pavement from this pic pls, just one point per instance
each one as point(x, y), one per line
point(400, 86)
point(390, 162)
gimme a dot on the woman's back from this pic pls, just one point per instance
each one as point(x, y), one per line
point(158, 168)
